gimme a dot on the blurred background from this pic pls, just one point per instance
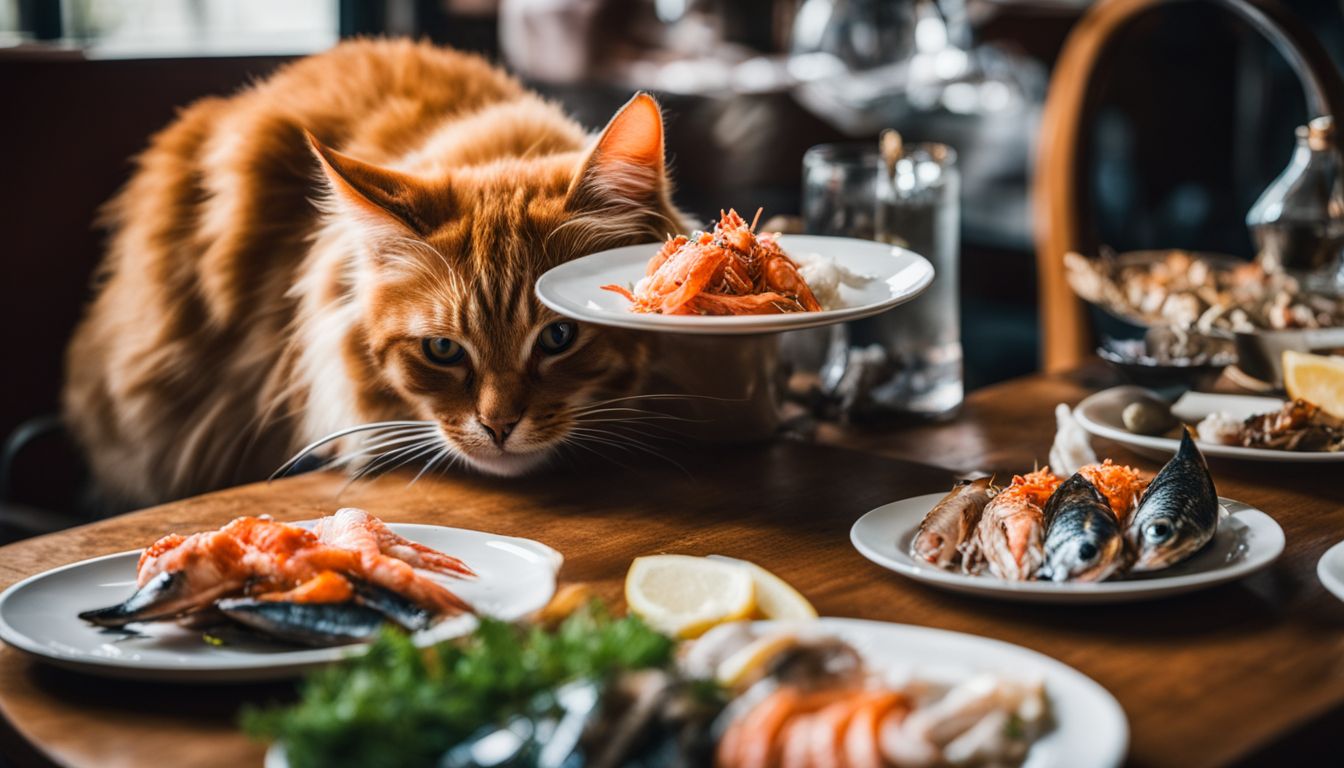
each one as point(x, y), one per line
point(1196, 116)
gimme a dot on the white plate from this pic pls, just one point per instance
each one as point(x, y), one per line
point(895, 275)
point(1330, 570)
point(1090, 727)
point(39, 615)
point(1090, 730)
point(1247, 540)
point(1100, 415)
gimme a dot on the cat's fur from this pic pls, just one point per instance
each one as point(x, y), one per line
point(279, 255)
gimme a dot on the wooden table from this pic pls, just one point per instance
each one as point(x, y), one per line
point(1251, 672)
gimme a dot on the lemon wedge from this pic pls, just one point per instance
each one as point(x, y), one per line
point(775, 597)
point(685, 596)
point(741, 667)
point(1315, 378)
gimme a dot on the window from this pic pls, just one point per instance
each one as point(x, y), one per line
point(149, 28)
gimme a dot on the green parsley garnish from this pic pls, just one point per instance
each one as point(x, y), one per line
point(398, 705)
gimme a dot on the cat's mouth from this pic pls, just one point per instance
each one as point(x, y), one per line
point(520, 453)
point(506, 463)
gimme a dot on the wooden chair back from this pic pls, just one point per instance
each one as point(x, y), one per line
point(1061, 216)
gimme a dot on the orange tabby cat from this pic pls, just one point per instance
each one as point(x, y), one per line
point(355, 240)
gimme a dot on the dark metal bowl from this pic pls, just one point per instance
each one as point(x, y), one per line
point(1128, 357)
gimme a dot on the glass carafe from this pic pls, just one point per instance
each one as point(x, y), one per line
point(1298, 222)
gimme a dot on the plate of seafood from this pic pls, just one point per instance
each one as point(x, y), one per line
point(734, 281)
point(1330, 570)
point(259, 599)
point(827, 692)
point(920, 696)
point(1102, 532)
point(1226, 426)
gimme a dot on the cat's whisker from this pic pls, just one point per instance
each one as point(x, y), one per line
point(663, 432)
point(653, 425)
point(427, 450)
point(642, 412)
point(435, 459)
point(650, 418)
point(632, 415)
point(665, 396)
point(390, 461)
point(346, 459)
point(337, 435)
point(576, 443)
point(623, 414)
point(625, 442)
point(394, 458)
point(612, 433)
point(384, 441)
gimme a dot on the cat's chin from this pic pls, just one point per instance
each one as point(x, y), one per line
point(506, 464)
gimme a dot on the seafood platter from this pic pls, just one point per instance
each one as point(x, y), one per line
point(258, 599)
point(732, 280)
point(1095, 531)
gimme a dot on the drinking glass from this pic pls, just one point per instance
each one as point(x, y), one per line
point(907, 360)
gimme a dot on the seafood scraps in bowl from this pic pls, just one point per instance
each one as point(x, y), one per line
point(1103, 521)
point(338, 582)
point(730, 271)
point(1203, 292)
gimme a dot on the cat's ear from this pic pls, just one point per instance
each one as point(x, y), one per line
point(626, 166)
point(379, 195)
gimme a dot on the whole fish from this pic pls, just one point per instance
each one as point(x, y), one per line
point(316, 624)
point(950, 523)
point(1178, 514)
point(1083, 541)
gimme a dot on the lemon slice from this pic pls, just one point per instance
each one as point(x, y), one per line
point(1315, 378)
point(685, 596)
point(775, 597)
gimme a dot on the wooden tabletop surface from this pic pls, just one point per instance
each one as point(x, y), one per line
point(1253, 670)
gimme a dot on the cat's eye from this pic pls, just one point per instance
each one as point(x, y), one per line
point(557, 337)
point(442, 351)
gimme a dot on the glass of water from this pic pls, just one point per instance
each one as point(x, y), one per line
point(908, 360)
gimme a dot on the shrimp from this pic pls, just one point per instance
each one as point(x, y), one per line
point(791, 728)
point(325, 587)
point(862, 738)
point(356, 529)
point(781, 275)
point(757, 738)
point(180, 574)
point(730, 271)
point(752, 304)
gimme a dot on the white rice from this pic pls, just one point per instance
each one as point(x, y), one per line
point(825, 278)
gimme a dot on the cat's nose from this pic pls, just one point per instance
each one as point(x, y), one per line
point(498, 428)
